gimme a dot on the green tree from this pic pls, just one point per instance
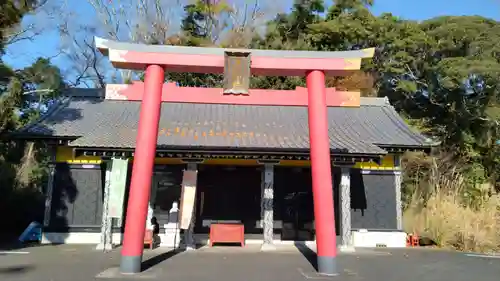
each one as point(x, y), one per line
point(205, 23)
point(441, 74)
point(24, 94)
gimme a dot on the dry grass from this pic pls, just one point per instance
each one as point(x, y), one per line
point(450, 224)
point(443, 214)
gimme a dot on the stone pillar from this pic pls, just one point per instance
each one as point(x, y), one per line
point(345, 214)
point(142, 171)
point(324, 211)
point(189, 240)
point(152, 201)
point(397, 185)
point(106, 243)
point(172, 232)
point(267, 207)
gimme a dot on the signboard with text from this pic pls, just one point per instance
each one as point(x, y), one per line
point(236, 72)
point(117, 184)
point(188, 198)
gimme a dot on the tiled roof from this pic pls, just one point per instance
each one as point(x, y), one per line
point(111, 123)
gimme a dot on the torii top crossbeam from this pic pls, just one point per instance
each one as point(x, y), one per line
point(211, 60)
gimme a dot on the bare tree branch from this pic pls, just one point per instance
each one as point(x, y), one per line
point(20, 34)
point(147, 22)
point(37, 21)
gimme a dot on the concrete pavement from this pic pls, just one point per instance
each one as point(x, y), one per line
point(83, 263)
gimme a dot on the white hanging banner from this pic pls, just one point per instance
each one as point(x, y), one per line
point(188, 198)
point(118, 181)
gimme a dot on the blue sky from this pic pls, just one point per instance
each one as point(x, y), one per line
point(424, 9)
point(46, 45)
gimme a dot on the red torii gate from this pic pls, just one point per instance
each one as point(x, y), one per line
point(156, 59)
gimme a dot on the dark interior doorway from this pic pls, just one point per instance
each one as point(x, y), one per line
point(294, 202)
point(229, 193)
point(166, 189)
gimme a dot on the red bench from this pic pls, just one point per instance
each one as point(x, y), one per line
point(149, 238)
point(227, 233)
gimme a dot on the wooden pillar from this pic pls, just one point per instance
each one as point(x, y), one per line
point(142, 171)
point(50, 186)
point(345, 203)
point(267, 207)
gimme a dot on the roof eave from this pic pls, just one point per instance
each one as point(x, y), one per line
point(191, 149)
point(401, 148)
point(242, 149)
point(59, 140)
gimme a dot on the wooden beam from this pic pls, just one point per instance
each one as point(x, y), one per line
point(211, 60)
point(174, 93)
point(205, 155)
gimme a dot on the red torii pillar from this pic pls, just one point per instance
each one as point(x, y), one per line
point(142, 171)
point(210, 60)
point(324, 213)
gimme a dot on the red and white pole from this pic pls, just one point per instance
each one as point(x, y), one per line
point(324, 212)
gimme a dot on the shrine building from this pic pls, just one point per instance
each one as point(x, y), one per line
point(230, 146)
point(269, 161)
